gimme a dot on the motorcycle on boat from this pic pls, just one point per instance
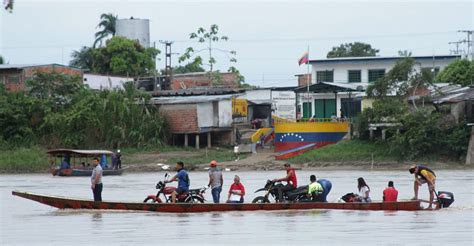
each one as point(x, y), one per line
point(192, 196)
point(271, 188)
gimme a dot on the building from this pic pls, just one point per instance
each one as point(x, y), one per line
point(14, 76)
point(369, 69)
point(265, 103)
point(104, 82)
point(198, 120)
point(338, 84)
point(134, 29)
point(187, 81)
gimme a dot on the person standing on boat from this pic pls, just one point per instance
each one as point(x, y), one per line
point(364, 191)
point(290, 179)
point(390, 194)
point(236, 191)
point(96, 180)
point(215, 181)
point(119, 159)
point(423, 175)
point(183, 181)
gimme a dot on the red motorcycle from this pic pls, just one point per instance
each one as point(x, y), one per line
point(192, 196)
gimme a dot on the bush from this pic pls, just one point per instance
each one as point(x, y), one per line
point(59, 111)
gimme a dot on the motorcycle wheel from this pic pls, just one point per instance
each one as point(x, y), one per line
point(194, 199)
point(150, 200)
point(260, 199)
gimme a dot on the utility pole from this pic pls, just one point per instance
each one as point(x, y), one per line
point(470, 52)
point(456, 51)
point(166, 82)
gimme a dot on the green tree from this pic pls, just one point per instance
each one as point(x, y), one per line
point(395, 82)
point(458, 72)
point(107, 23)
point(191, 67)
point(55, 88)
point(125, 57)
point(1, 60)
point(356, 49)
point(83, 58)
point(207, 38)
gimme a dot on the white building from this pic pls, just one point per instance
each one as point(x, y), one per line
point(368, 69)
point(265, 102)
point(350, 76)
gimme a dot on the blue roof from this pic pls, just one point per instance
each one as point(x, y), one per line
point(380, 58)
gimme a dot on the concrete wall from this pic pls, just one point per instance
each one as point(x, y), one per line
point(225, 113)
point(205, 114)
point(104, 82)
point(257, 95)
point(341, 68)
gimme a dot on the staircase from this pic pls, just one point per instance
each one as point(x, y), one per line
point(246, 133)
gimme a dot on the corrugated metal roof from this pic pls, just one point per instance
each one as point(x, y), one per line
point(379, 58)
point(21, 66)
point(189, 99)
point(454, 95)
point(197, 91)
point(18, 66)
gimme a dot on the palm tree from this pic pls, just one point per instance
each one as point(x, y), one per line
point(107, 23)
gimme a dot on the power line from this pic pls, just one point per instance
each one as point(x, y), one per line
point(470, 52)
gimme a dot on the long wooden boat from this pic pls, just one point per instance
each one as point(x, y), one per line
point(71, 203)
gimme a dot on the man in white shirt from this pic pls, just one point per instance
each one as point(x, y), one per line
point(96, 180)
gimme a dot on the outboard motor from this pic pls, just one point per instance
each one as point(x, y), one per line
point(445, 199)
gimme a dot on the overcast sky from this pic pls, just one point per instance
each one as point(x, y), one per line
point(268, 36)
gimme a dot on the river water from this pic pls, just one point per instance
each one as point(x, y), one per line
point(27, 222)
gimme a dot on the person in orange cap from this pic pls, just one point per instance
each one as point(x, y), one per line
point(215, 181)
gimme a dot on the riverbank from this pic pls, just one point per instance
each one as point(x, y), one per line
point(346, 155)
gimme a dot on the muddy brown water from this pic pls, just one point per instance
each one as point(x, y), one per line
point(27, 222)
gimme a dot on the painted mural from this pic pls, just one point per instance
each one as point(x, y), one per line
point(297, 137)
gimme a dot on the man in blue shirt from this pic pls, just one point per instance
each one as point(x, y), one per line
point(183, 181)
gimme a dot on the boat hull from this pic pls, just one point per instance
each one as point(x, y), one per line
point(71, 203)
point(83, 172)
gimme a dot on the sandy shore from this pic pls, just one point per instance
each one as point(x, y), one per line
point(266, 161)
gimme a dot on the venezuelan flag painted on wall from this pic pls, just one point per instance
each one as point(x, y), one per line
point(298, 136)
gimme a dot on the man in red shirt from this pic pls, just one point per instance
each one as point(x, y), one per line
point(290, 179)
point(390, 194)
point(236, 191)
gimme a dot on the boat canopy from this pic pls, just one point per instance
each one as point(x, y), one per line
point(79, 153)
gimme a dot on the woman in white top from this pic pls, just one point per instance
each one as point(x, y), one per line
point(364, 191)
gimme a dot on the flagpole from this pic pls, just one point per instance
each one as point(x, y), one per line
point(307, 86)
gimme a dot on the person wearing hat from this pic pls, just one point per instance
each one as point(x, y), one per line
point(423, 175)
point(215, 181)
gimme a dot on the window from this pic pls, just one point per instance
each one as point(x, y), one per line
point(325, 76)
point(375, 74)
point(13, 79)
point(354, 76)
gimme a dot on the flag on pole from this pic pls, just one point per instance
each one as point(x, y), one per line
point(304, 59)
